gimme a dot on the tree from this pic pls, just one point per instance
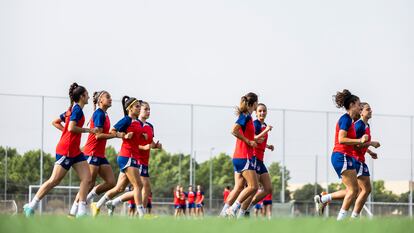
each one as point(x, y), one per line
point(380, 194)
point(307, 192)
point(275, 172)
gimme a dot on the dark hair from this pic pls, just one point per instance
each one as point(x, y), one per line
point(261, 104)
point(344, 99)
point(246, 101)
point(75, 92)
point(96, 96)
point(227, 187)
point(126, 103)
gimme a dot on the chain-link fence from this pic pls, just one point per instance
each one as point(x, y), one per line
point(303, 139)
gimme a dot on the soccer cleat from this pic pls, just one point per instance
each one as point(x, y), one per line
point(94, 209)
point(28, 212)
point(69, 216)
point(319, 205)
point(110, 208)
point(231, 213)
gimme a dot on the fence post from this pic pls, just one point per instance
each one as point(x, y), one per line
point(282, 194)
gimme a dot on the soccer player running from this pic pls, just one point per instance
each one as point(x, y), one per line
point(130, 130)
point(261, 136)
point(145, 146)
point(362, 127)
point(68, 153)
point(243, 159)
point(342, 156)
point(95, 149)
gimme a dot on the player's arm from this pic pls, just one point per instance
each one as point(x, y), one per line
point(57, 123)
point(263, 133)
point(343, 139)
point(373, 154)
point(236, 132)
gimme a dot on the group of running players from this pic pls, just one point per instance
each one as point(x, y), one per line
point(352, 140)
point(137, 140)
point(191, 200)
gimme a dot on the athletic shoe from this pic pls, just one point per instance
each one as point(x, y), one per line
point(110, 208)
point(319, 205)
point(94, 209)
point(28, 212)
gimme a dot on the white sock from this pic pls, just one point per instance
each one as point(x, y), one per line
point(236, 206)
point(74, 209)
point(117, 201)
point(140, 210)
point(102, 201)
point(34, 203)
point(91, 195)
point(241, 213)
point(342, 215)
point(354, 215)
point(82, 208)
point(223, 211)
point(326, 198)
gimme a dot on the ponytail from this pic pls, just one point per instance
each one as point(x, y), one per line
point(246, 101)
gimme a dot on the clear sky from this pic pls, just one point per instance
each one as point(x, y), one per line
point(294, 54)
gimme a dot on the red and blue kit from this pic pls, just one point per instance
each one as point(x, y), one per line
point(199, 199)
point(342, 156)
point(191, 200)
point(243, 158)
point(267, 200)
point(144, 155)
point(177, 200)
point(182, 201)
point(95, 148)
point(129, 150)
point(261, 147)
point(68, 149)
point(359, 153)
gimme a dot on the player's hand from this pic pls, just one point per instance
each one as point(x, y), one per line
point(129, 135)
point(252, 144)
point(375, 144)
point(364, 138)
point(269, 127)
point(271, 147)
point(158, 145)
point(374, 155)
point(260, 140)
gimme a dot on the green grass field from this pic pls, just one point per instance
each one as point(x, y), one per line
point(61, 224)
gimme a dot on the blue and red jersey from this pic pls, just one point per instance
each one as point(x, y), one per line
point(93, 146)
point(69, 143)
point(182, 198)
point(190, 197)
point(176, 197)
point(199, 197)
point(268, 197)
point(130, 147)
point(243, 150)
point(361, 128)
point(144, 155)
point(261, 147)
point(345, 123)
